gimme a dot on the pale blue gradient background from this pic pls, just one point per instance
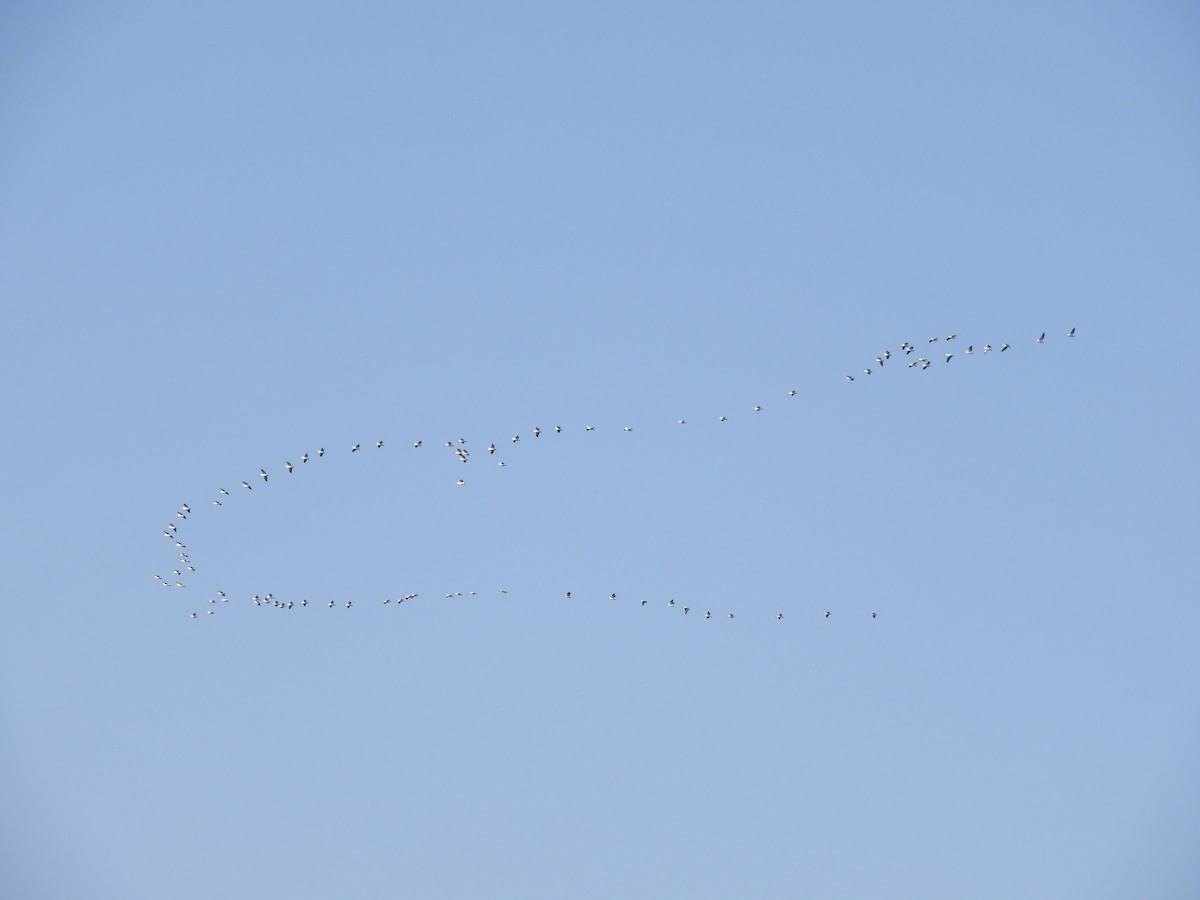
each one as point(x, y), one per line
point(231, 233)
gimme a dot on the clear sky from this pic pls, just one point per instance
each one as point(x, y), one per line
point(231, 234)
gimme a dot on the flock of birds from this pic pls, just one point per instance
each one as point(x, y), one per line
point(184, 565)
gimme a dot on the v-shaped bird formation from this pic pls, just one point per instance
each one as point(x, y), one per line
point(884, 361)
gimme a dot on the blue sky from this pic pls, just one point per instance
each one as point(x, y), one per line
point(232, 234)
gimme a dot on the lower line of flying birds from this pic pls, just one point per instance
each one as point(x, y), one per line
point(463, 454)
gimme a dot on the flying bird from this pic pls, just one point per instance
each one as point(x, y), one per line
point(262, 473)
point(1040, 340)
point(758, 409)
point(354, 449)
point(304, 458)
point(1004, 347)
point(1071, 333)
point(537, 432)
point(321, 452)
point(288, 466)
point(247, 486)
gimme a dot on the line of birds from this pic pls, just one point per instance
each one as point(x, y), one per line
point(463, 454)
point(270, 601)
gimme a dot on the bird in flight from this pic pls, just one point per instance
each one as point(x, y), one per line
point(1040, 340)
point(378, 444)
point(321, 452)
point(263, 474)
point(354, 449)
point(1071, 333)
point(288, 466)
point(247, 486)
point(1004, 347)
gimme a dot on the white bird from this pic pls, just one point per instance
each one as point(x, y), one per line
point(925, 365)
point(502, 464)
point(872, 615)
point(461, 481)
point(378, 444)
point(726, 418)
point(827, 614)
point(223, 491)
point(354, 449)
point(627, 428)
point(1071, 333)
point(970, 349)
point(686, 610)
point(612, 596)
point(321, 452)
point(887, 354)
point(288, 466)
point(879, 361)
point(849, 377)
point(247, 486)
point(216, 503)
point(304, 458)
point(193, 615)
point(671, 602)
point(537, 432)
point(186, 508)
point(180, 515)
point(349, 604)
point(491, 448)
point(589, 427)
point(987, 348)
point(791, 393)
point(417, 443)
point(911, 364)
point(558, 429)
point(949, 356)
point(708, 614)
point(681, 421)
point(933, 340)
point(331, 604)
point(866, 371)
point(502, 590)
point(1004, 347)
point(729, 615)
point(644, 602)
point(758, 409)
point(567, 595)
point(778, 616)
point(516, 439)
point(304, 602)
point(1040, 340)
point(951, 337)
point(263, 474)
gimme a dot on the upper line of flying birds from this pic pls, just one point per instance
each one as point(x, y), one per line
point(184, 561)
